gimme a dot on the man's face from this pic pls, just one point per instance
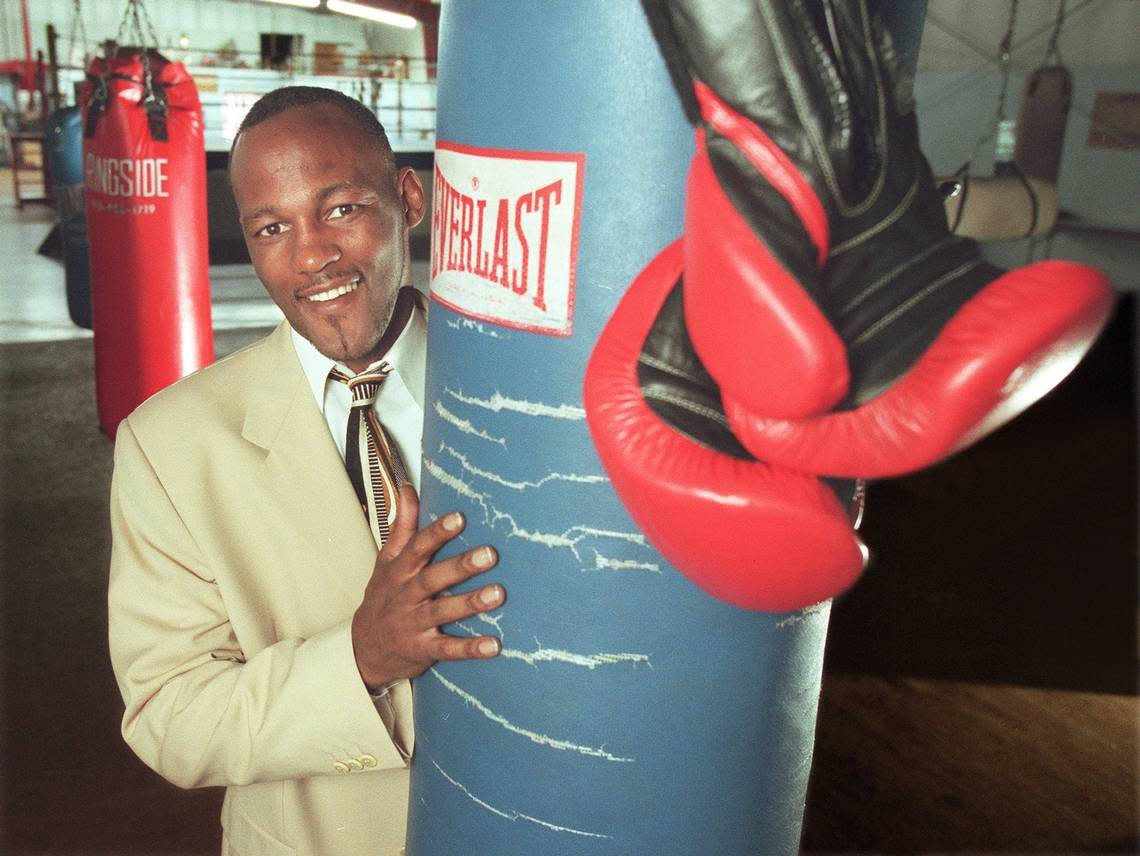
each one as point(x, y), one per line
point(326, 222)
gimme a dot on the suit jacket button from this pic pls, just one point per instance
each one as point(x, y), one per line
point(354, 764)
point(367, 761)
point(340, 766)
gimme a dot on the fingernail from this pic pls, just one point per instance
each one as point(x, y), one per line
point(452, 522)
point(489, 647)
point(483, 557)
point(491, 594)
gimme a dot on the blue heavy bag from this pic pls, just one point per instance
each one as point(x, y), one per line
point(629, 712)
point(65, 159)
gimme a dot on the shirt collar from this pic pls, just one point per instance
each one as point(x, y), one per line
point(407, 357)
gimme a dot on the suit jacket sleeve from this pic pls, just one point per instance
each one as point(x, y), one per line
point(198, 710)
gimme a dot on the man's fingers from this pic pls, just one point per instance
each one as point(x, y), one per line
point(404, 526)
point(456, 607)
point(458, 648)
point(450, 572)
point(425, 543)
point(418, 546)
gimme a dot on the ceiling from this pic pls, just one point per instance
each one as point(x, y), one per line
point(965, 34)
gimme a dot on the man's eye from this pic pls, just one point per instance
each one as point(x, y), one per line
point(271, 230)
point(342, 210)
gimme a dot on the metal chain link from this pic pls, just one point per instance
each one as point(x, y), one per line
point(1004, 128)
point(1053, 51)
point(134, 16)
point(1005, 57)
point(1000, 126)
point(77, 27)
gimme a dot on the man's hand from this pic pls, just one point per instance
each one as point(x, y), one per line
point(395, 630)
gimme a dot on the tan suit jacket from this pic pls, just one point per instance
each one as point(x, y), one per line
point(239, 556)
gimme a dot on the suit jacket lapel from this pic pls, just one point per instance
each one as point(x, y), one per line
point(304, 471)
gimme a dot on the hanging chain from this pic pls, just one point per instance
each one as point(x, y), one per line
point(1005, 57)
point(132, 25)
point(1001, 129)
point(148, 84)
point(77, 28)
point(1004, 128)
point(149, 24)
point(130, 17)
point(134, 16)
point(1054, 51)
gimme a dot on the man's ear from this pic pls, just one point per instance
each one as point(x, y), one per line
point(411, 195)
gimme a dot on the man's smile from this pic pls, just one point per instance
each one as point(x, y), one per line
point(333, 292)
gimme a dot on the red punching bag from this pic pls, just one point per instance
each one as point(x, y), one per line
point(144, 166)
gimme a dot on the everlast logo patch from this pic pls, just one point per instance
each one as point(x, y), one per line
point(505, 235)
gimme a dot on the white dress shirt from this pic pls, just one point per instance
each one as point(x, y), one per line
point(400, 401)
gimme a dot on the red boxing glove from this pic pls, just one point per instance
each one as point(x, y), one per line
point(755, 536)
point(850, 333)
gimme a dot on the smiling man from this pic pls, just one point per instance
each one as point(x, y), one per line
point(266, 609)
point(326, 216)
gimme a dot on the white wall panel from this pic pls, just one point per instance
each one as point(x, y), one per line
point(208, 24)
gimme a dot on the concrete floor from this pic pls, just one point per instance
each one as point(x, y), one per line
point(980, 697)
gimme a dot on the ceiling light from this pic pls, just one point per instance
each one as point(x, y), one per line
point(380, 16)
point(307, 4)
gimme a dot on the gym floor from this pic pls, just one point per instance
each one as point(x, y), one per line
point(980, 692)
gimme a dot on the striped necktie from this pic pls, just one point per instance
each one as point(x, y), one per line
point(370, 456)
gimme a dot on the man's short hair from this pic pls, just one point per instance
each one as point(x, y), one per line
point(288, 97)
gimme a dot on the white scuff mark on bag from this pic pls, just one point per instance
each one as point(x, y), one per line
point(498, 402)
point(605, 563)
point(518, 485)
point(458, 485)
point(557, 655)
point(514, 815)
point(569, 539)
point(470, 324)
point(803, 614)
point(589, 661)
point(493, 620)
point(533, 736)
point(466, 427)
